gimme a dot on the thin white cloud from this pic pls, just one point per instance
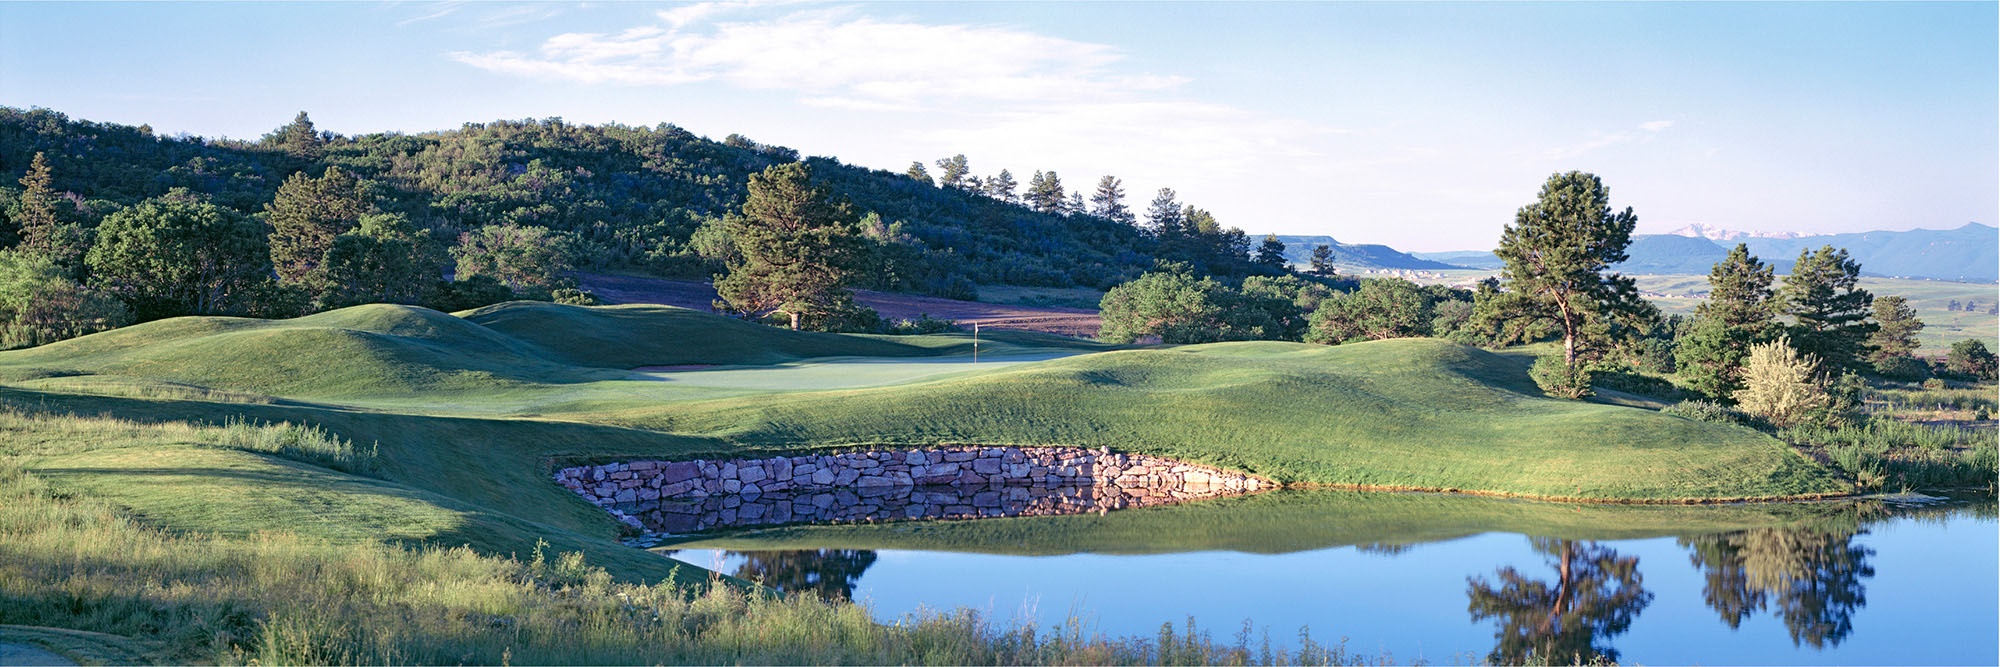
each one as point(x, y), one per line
point(446, 10)
point(834, 54)
point(1603, 140)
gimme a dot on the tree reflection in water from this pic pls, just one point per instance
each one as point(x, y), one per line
point(1812, 574)
point(831, 573)
point(1595, 595)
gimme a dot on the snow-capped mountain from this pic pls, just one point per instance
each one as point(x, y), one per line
point(1701, 231)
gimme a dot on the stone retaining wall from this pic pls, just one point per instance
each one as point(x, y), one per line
point(959, 466)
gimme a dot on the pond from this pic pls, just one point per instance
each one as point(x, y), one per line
point(1439, 578)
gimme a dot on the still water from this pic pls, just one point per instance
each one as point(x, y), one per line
point(1444, 579)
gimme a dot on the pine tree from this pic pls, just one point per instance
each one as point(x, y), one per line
point(1076, 204)
point(44, 233)
point(798, 244)
point(1271, 253)
point(952, 172)
point(918, 173)
point(1045, 192)
point(1002, 187)
point(301, 140)
point(1740, 312)
point(1895, 338)
point(1164, 215)
point(306, 215)
point(1109, 201)
point(1322, 261)
point(1558, 252)
point(1830, 314)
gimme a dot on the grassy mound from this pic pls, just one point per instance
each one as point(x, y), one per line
point(1411, 413)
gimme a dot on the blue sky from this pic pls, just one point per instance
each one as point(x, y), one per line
point(1423, 126)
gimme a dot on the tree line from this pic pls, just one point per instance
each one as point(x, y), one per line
point(122, 224)
point(1804, 337)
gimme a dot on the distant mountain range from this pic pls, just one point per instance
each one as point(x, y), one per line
point(1299, 249)
point(1970, 253)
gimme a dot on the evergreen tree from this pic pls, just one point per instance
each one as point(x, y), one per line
point(919, 174)
point(1740, 312)
point(1322, 261)
point(44, 233)
point(798, 245)
point(1164, 215)
point(1891, 348)
point(1271, 253)
point(1198, 221)
point(952, 172)
point(1830, 314)
point(1002, 187)
point(1109, 201)
point(1076, 205)
point(305, 216)
point(1557, 253)
point(1045, 192)
point(301, 140)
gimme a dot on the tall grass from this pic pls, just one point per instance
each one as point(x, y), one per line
point(1884, 453)
point(30, 429)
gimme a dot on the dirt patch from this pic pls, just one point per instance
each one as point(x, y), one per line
point(1081, 322)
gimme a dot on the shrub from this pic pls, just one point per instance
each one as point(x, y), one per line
point(1624, 379)
point(1561, 379)
point(1779, 384)
point(923, 324)
point(1703, 411)
point(473, 292)
point(1970, 358)
point(39, 305)
point(575, 297)
point(1934, 384)
point(1903, 367)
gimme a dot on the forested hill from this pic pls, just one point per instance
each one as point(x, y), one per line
point(632, 196)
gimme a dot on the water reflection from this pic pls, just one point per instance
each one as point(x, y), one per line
point(1594, 596)
point(1811, 574)
point(876, 504)
point(831, 573)
point(1789, 583)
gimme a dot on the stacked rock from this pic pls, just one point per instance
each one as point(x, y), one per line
point(955, 466)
